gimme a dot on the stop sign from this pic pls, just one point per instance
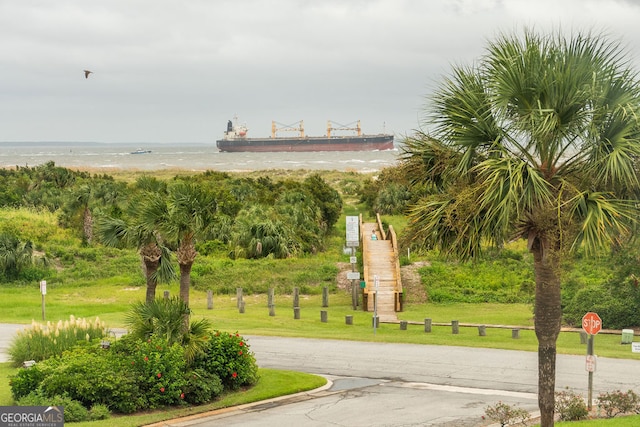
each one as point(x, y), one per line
point(591, 323)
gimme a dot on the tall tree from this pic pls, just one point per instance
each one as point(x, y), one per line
point(129, 229)
point(537, 140)
point(185, 214)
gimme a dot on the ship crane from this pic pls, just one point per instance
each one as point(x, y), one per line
point(295, 127)
point(331, 126)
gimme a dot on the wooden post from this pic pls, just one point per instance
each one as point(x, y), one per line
point(323, 316)
point(427, 325)
point(455, 327)
point(270, 304)
point(166, 295)
point(482, 330)
point(296, 313)
point(296, 297)
point(515, 333)
point(209, 299)
point(241, 308)
point(403, 325)
point(325, 296)
point(348, 319)
point(238, 296)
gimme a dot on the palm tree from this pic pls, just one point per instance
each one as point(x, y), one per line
point(537, 141)
point(165, 318)
point(129, 230)
point(186, 213)
point(14, 255)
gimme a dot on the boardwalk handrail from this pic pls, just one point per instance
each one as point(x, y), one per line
point(396, 255)
point(380, 227)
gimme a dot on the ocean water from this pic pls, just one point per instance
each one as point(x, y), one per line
point(185, 156)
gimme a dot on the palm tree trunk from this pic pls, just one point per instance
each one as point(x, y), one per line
point(186, 254)
point(152, 282)
point(548, 319)
point(185, 282)
point(87, 225)
point(151, 254)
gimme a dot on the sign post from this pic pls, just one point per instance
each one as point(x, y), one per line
point(43, 291)
point(376, 281)
point(592, 324)
point(353, 241)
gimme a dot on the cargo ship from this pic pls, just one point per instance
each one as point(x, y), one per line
point(235, 139)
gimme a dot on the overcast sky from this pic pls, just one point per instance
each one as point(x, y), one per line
point(176, 71)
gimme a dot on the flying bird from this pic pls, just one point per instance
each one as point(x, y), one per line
point(86, 73)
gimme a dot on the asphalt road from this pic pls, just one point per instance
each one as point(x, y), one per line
point(380, 384)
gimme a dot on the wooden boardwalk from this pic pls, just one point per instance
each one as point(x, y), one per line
point(380, 261)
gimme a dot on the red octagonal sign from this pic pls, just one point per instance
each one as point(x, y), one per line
point(591, 323)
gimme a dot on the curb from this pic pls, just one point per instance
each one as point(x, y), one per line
point(187, 420)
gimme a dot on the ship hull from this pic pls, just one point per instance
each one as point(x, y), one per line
point(346, 143)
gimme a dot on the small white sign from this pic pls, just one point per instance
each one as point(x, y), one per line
point(590, 363)
point(353, 260)
point(635, 347)
point(353, 234)
point(353, 275)
point(43, 287)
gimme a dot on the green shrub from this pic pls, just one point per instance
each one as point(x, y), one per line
point(93, 377)
point(73, 410)
point(201, 386)
point(228, 356)
point(570, 406)
point(99, 412)
point(26, 381)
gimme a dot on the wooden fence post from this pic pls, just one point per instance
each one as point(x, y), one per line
point(209, 299)
point(270, 304)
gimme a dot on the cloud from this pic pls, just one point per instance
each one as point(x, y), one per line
point(171, 71)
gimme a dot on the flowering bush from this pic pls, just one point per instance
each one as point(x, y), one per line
point(570, 406)
point(42, 341)
point(89, 377)
point(157, 369)
point(136, 374)
point(618, 402)
point(229, 357)
point(506, 414)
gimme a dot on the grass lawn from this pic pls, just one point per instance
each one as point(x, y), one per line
point(109, 302)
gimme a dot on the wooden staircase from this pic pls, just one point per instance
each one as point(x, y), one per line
point(380, 260)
